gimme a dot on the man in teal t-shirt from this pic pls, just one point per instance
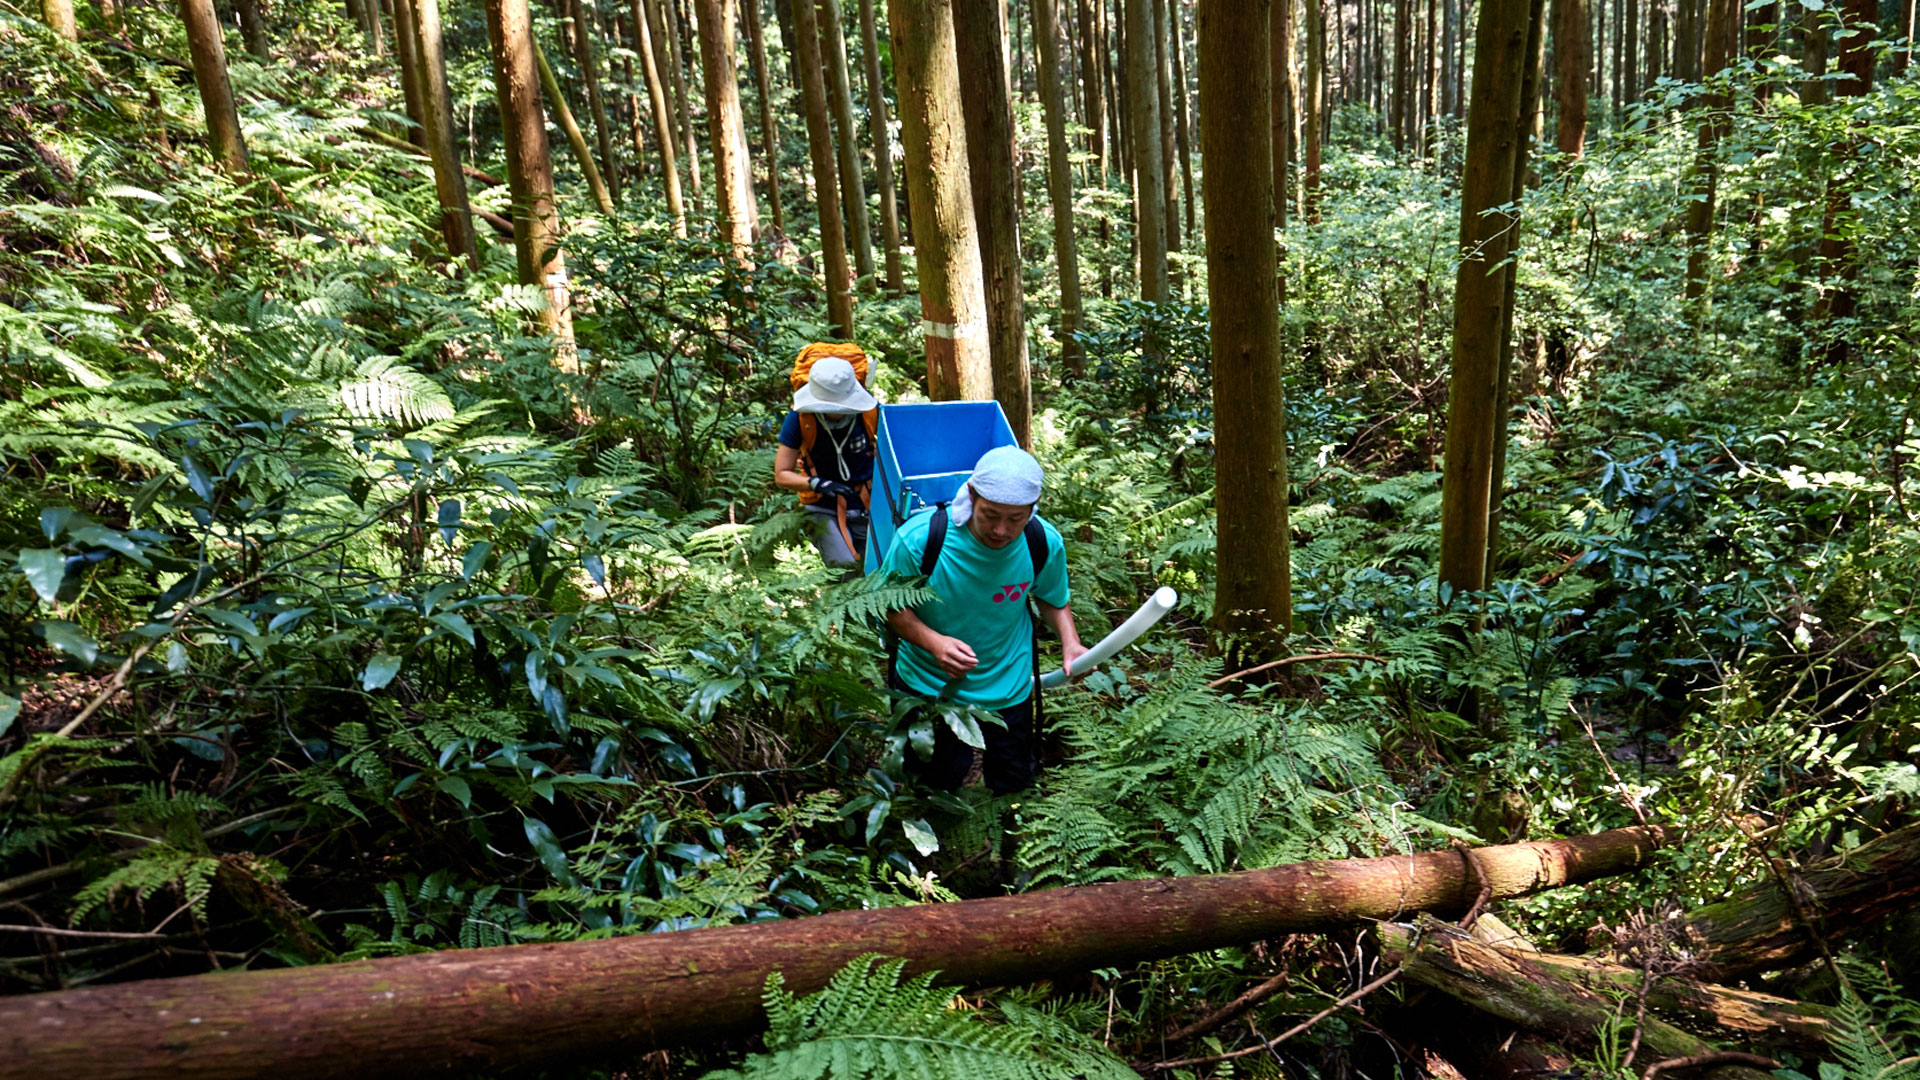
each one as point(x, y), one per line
point(974, 645)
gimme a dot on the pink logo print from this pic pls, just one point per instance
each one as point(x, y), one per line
point(1010, 593)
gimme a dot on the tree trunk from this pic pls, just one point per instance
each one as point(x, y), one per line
point(456, 216)
point(769, 131)
point(1722, 31)
point(953, 308)
point(208, 51)
point(1752, 1017)
point(1182, 124)
point(880, 132)
point(1253, 592)
point(1766, 929)
point(1280, 48)
point(536, 216)
point(979, 46)
point(576, 139)
point(645, 26)
point(826, 191)
point(1630, 93)
point(1093, 85)
point(58, 14)
point(733, 183)
point(1169, 156)
point(853, 187)
point(596, 101)
point(1530, 83)
point(405, 52)
point(253, 30)
point(1474, 397)
point(1316, 104)
point(1402, 112)
point(468, 1010)
point(1052, 40)
point(1149, 189)
point(669, 29)
point(1516, 987)
point(370, 21)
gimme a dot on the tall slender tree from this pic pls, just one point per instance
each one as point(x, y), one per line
point(1474, 399)
point(826, 189)
point(1570, 83)
point(405, 51)
point(1837, 301)
point(576, 139)
point(769, 131)
point(1722, 32)
point(953, 309)
point(1253, 587)
point(645, 27)
point(1182, 122)
point(1316, 105)
point(732, 182)
point(1281, 45)
point(584, 58)
point(456, 214)
point(1051, 38)
point(1149, 183)
point(1093, 85)
point(253, 29)
point(853, 184)
point(668, 35)
point(987, 105)
point(880, 134)
point(207, 49)
point(1163, 86)
point(370, 21)
point(536, 215)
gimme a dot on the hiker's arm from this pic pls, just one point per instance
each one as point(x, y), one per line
point(954, 656)
point(786, 469)
point(1061, 619)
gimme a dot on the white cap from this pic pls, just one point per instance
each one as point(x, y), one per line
point(1004, 474)
point(832, 388)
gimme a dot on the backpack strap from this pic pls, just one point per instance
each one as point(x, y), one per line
point(1036, 536)
point(936, 541)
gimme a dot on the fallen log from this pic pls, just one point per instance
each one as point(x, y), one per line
point(491, 1009)
point(1760, 1019)
point(1763, 928)
point(1518, 987)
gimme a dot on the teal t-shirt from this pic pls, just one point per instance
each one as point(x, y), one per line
point(983, 603)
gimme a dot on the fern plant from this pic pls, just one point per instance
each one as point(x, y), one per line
point(868, 1022)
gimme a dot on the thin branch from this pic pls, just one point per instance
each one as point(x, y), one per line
point(1285, 661)
point(1263, 1047)
point(1723, 1057)
point(1230, 1010)
point(55, 931)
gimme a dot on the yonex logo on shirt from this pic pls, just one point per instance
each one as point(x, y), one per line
point(1010, 593)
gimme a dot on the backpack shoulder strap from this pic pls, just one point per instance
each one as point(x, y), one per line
point(936, 540)
point(1036, 535)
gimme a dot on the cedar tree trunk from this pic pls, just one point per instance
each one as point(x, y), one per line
point(733, 184)
point(826, 191)
point(880, 132)
point(456, 216)
point(209, 53)
point(536, 217)
point(1149, 182)
point(853, 187)
point(645, 23)
point(1052, 41)
point(769, 131)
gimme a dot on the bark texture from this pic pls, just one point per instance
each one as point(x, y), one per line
point(985, 98)
point(647, 45)
point(880, 133)
point(1570, 83)
point(1149, 181)
point(853, 187)
point(1253, 595)
point(209, 53)
point(953, 309)
point(826, 189)
point(1052, 40)
point(456, 215)
point(1473, 404)
point(576, 139)
point(491, 1009)
point(769, 131)
point(583, 56)
point(58, 14)
point(733, 184)
point(536, 217)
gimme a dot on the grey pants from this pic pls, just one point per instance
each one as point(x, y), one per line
point(825, 524)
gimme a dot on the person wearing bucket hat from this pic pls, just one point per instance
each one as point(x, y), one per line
point(826, 449)
point(977, 643)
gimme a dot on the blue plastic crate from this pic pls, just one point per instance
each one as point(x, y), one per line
point(925, 452)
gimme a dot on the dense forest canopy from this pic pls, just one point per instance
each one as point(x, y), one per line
point(1519, 396)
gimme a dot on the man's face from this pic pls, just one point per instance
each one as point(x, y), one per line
point(997, 524)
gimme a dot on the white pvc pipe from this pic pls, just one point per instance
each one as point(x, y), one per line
point(1138, 623)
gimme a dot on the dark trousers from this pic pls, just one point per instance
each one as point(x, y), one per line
point(1010, 762)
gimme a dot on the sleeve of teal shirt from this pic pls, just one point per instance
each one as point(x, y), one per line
point(1052, 586)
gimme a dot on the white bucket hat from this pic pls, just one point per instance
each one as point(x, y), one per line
point(833, 389)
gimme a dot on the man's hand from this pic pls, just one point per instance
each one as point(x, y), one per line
point(833, 489)
point(1071, 651)
point(954, 656)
